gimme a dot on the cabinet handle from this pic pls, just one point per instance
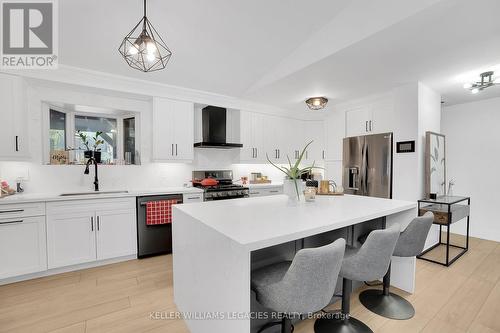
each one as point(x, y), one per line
point(193, 198)
point(274, 191)
point(17, 143)
point(11, 211)
point(172, 149)
point(256, 153)
point(176, 149)
point(254, 193)
point(98, 223)
point(370, 125)
point(366, 126)
point(92, 223)
point(12, 222)
point(279, 153)
point(323, 154)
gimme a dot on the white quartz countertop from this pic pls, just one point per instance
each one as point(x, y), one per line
point(56, 196)
point(265, 221)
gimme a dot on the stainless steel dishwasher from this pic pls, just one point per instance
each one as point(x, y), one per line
point(153, 240)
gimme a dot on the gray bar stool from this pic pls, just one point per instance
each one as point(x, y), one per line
point(302, 286)
point(367, 263)
point(411, 243)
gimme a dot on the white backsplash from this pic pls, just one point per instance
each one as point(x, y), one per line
point(69, 178)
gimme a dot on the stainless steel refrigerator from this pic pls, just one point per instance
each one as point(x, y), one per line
point(367, 165)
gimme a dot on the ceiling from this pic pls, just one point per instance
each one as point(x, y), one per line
point(280, 52)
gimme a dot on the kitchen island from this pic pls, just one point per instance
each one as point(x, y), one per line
point(215, 242)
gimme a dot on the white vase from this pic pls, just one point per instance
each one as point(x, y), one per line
point(290, 190)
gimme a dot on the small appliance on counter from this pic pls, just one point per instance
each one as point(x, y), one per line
point(218, 185)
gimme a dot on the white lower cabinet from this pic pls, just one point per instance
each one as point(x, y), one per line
point(22, 246)
point(83, 231)
point(116, 236)
point(70, 239)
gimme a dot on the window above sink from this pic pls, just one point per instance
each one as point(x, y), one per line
point(66, 126)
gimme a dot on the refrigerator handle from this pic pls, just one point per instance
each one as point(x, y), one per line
point(363, 174)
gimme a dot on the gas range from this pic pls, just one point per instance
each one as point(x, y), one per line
point(225, 189)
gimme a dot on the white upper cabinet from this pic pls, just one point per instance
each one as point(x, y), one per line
point(314, 131)
point(359, 121)
point(279, 138)
point(295, 138)
point(13, 114)
point(252, 137)
point(173, 130)
point(376, 117)
point(383, 116)
point(275, 145)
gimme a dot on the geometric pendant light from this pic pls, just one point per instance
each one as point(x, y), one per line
point(143, 48)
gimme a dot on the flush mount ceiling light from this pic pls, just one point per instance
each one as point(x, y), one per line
point(143, 48)
point(316, 103)
point(486, 82)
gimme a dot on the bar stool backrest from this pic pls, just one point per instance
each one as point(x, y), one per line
point(412, 240)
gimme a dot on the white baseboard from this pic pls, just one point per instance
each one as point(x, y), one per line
point(66, 269)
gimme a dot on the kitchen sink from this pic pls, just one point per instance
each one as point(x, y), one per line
point(91, 193)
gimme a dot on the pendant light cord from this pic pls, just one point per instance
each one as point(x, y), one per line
point(144, 8)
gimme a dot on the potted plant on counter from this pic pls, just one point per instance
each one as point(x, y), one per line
point(94, 151)
point(292, 185)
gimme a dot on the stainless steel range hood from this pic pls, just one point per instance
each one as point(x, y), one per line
point(214, 129)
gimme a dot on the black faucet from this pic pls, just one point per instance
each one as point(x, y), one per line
point(96, 179)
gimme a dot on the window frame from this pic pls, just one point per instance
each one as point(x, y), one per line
point(70, 130)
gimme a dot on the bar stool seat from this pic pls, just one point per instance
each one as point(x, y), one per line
point(302, 286)
point(411, 242)
point(269, 274)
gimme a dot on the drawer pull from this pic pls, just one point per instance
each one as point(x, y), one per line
point(12, 222)
point(11, 211)
point(193, 198)
point(274, 191)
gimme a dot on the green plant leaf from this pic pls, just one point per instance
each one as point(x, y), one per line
point(276, 166)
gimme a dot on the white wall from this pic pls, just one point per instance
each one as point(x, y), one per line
point(472, 161)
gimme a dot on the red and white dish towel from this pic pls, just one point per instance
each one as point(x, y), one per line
point(159, 212)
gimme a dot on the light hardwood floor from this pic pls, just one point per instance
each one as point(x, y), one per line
point(119, 298)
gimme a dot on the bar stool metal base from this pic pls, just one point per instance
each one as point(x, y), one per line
point(389, 306)
point(332, 325)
